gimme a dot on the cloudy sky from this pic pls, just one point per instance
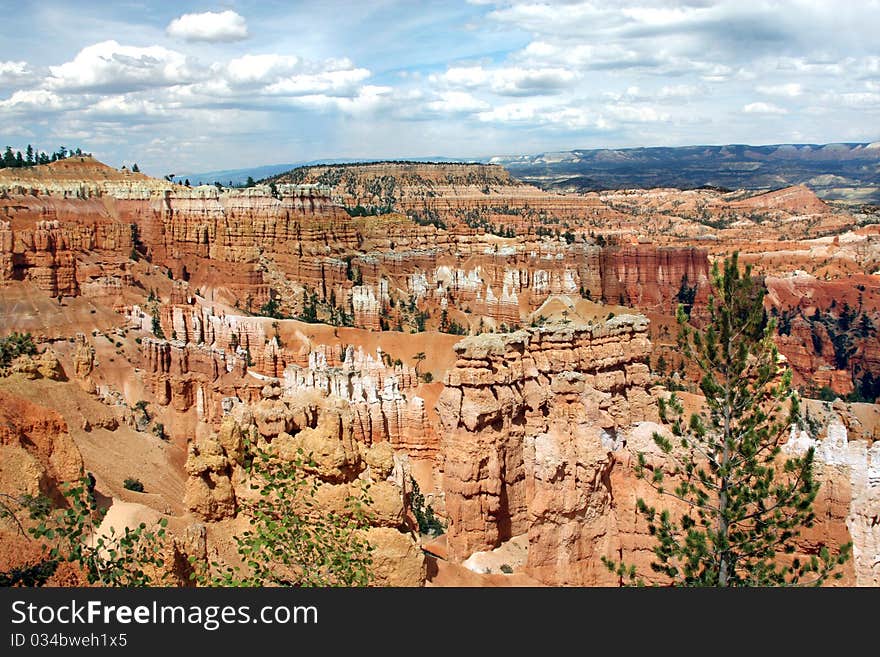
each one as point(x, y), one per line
point(210, 85)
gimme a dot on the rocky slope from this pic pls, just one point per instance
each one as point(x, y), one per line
point(528, 420)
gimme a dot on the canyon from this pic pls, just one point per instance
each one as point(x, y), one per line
point(444, 327)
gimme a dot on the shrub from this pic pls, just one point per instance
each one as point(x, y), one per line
point(15, 345)
point(424, 513)
point(113, 559)
point(133, 485)
point(289, 541)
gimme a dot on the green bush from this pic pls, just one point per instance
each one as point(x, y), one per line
point(428, 522)
point(133, 485)
point(111, 560)
point(15, 345)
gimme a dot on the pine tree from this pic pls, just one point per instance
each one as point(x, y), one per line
point(156, 325)
point(419, 357)
point(744, 502)
point(135, 168)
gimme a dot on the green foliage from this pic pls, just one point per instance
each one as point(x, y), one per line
point(368, 211)
point(156, 325)
point(848, 330)
point(428, 217)
point(865, 327)
point(310, 306)
point(660, 368)
point(686, 295)
point(451, 326)
point(134, 485)
point(14, 159)
point(428, 522)
point(141, 405)
point(159, 431)
point(272, 308)
point(291, 541)
point(15, 345)
point(826, 393)
point(37, 506)
point(867, 389)
point(745, 503)
point(110, 559)
point(29, 574)
point(420, 318)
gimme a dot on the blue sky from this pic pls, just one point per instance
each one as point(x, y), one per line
point(181, 86)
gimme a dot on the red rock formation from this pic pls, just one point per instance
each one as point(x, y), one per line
point(796, 199)
point(649, 278)
point(528, 416)
point(37, 452)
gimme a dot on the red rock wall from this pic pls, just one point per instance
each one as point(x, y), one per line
point(522, 418)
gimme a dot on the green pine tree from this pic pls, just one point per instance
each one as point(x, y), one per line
point(156, 325)
point(744, 503)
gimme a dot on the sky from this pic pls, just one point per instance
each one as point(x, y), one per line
point(196, 86)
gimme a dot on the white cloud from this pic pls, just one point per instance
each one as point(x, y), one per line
point(125, 105)
point(867, 100)
point(132, 85)
point(809, 66)
point(36, 100)
point(523, 75)
point(512, 113)
point(342, 82)
point(589, 55)
point(510, 80)
point(367, 99)
point(457, 102)
point(764, 108)
point(637, 114)
point(678, 91)
point(109, 66)
point(789, 89)
point(209, 26)
point(260, 68)
point(14, 72)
